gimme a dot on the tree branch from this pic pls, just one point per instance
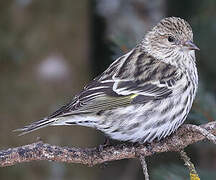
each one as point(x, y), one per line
point(92, 156)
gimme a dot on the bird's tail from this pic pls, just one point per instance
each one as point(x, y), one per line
point(35, 126)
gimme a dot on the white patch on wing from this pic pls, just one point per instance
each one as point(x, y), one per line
point(98, 87)
point(107, 81)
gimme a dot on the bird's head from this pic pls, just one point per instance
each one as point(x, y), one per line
point(171, 37)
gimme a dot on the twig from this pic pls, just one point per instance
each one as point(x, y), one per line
point(144, 167)
point(190, 165)
point(202, 131)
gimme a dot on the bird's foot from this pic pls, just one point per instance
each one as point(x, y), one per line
point(104, 145)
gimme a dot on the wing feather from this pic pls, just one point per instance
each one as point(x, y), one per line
point(134, 74)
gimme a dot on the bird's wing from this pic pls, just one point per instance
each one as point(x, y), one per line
point(133, 75)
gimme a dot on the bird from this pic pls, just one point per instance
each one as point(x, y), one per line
point(144, 95)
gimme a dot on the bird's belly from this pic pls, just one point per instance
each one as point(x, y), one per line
point(144, 123)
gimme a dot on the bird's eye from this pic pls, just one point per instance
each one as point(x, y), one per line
point(171, 39)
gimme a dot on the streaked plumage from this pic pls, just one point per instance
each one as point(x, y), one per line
point(143, 95)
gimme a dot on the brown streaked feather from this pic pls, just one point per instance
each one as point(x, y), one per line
point(114, 87)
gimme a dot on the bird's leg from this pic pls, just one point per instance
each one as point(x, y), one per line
point(149, 147)
point(146, 144)
point(101, 148)
point(105, 144)
point(107, 141)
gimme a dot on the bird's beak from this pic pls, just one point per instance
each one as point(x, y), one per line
point(190, 45)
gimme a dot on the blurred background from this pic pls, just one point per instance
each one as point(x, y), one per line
point(50, 49)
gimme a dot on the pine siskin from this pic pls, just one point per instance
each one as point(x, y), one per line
point(144, 95)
